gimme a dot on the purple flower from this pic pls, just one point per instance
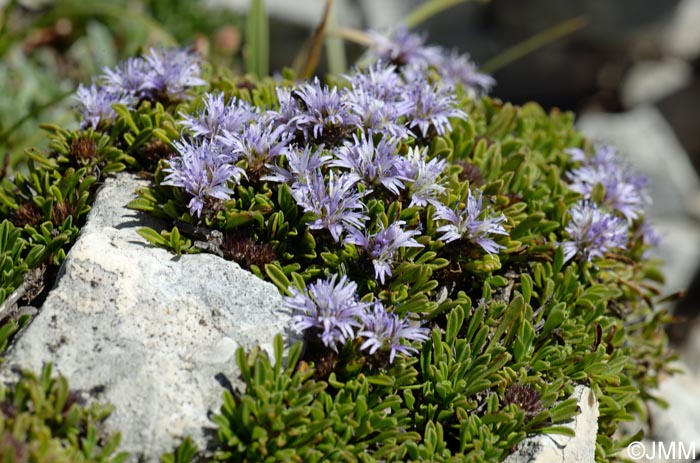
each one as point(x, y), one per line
point(332, 309)
point(373, 165)
point(288, 109)
point(379, 80)
point(650, 236)
point(385, 331)
point(382, 246)
point(130, 76)
point(171, 73)
point(403, 47)
point(466, 224)
point(456, 69)
point(217, 117)
point(322, 115)
point(257, 144)
point(625, 190)
point(422, 184)
point(95, 104)
point(378, 98)
point(593, 232)
point(203, 171)
point(302, 163)
point(336, 203)
point(434, 105)
point(378, 115)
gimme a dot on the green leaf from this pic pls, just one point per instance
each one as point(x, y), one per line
point(278, 277)
point(257, 39)
point(153, 237)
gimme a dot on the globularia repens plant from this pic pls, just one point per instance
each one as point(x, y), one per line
point(455, 264)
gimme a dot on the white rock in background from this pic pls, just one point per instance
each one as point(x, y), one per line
point(563, 449)
point(156, 332)
point(682, 37)
point(675, 435)
point(650, 81)
point(643, 136)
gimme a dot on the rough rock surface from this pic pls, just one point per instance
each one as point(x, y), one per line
point(563, 449)
point(155, 334)
point(680, 422)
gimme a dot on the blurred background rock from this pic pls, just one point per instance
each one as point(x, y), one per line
point(631, 74)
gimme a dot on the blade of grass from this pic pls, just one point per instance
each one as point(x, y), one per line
point(535, 42)
point(257, 39)
point(429, 9)
point(306, 61)
point(335, 49)
point(352, 35)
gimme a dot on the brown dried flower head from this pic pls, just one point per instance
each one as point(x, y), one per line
point(83, 150)
point(525, 397)
point(26, 214)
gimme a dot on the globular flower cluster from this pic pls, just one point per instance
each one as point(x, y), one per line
point(161, 75)
point(330, 308)
point(625, 190)
point(595, 229)
point(405, 49)
point(593, 232)
point(472, 223)
point(382, 246)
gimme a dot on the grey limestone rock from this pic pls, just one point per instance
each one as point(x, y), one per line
point(156, 333)
point(551, 448)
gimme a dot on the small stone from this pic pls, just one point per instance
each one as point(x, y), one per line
point(682, 36)
point(650, 81)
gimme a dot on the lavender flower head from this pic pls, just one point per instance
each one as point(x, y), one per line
point(288, 109)
point(382, 246)
point(434, 105)
point(378, 115)
point(336, 203)
point(217, 116)
point(626, 191)
point(374, 165)
point(423, 185)
point(302, 163)
point(385, 331)
point(456, 69)
point(130, 76)
point(593, 232)
point(380, 80)
point(258, 144)
point(171, 73)
point(203, 171)
point(403, 47)
point(322, 115)
point(95, 104)
point(329, 307)
point(467, 224)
